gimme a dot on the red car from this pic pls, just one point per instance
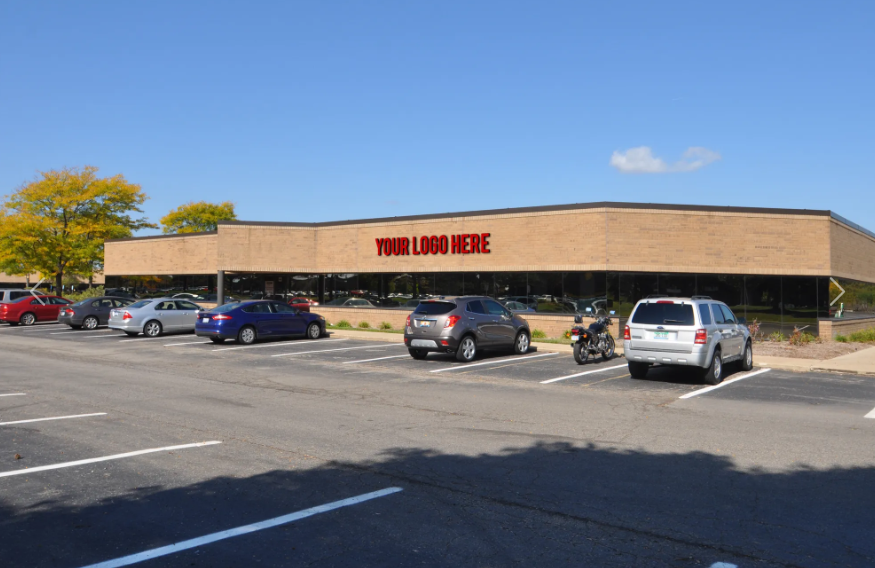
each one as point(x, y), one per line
point(30, 309)
point(302, 304)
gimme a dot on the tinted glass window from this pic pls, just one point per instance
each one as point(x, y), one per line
point(37, 302)
point(664, 314)
point(705, 314)
point(121, 303)
point(259, 308)
point(13, 295)
point(104, 303)
point(495, 309)
point(59, 302)
point(476, 307)
point(283, 308)
point(435, 308)
point(82, 302)
point(718, 314)
point(140, 304)
point(183, 305)
point(166, 306)
point(226, 308)
point(727, 314)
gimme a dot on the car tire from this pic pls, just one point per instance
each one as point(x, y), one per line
point(153, 328)
point(418, 353)
point(132, 333)
point(610, 349)
point(580, 354)
point(638, 370)
point(521, 343)
point(217, 339)
point(747, 357)
point(247, 335)
point(314, 331)
point(467, 350)
point(27, 319)
point(713, 375)
point(90, 323)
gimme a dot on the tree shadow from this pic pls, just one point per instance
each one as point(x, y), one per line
point(547, 503)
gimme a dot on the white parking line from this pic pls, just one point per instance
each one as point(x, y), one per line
point(377, 359)
point(602, 370)
point(104, 336)
point(188, 343)
point(43, 327)
point(52, 418)
point(871, 414)
point(280, 344)
point(246, 529)
point(339, 349)
point(104, 458)
point(724, 383)
point(493, 362)
point(80, 331)
point(13, 394)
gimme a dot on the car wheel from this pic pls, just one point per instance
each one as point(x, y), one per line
point(747, 357)
point(314, 331)
point(152, 329)
point(90, 323)
point(132, 333)
point(521, 343)
point(638, 370)
point(247, 335)
point(217, 339)
point(27, 319)
point(467, 349)
point(610, 346)
point(418, 353)
point(580, 354)
point(714, 373)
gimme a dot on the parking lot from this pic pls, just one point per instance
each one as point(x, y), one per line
point(175, 451)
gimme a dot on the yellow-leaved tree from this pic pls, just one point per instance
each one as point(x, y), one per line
point(57, 223)
point(195, 217)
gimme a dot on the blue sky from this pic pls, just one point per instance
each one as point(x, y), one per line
point(317, 111)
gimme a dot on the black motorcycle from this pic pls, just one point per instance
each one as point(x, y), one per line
point(596, 339)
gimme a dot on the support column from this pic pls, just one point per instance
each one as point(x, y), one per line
point(220, 288)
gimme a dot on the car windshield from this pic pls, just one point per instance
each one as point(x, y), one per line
point(435, 308)
point(140, 304)
point(226, 308)
point(660, 313)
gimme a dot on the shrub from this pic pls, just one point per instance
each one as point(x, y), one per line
point(777, 336)
point(841, 338)
point(385, 325)
point(364, 325)
point(567, 334)
point(754, 328)
point(800, 337)
point(538, 334)
point(863, 336)
point(94, 292)
point(343, 323)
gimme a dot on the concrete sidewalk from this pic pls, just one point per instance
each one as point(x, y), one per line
point(859, 362)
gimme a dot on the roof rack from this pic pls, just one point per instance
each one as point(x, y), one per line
point(700, 297)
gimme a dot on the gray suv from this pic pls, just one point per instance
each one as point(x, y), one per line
point(462, 326)
point(697, 331)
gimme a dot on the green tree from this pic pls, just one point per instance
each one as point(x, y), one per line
point(195, 217)
point(57, 223)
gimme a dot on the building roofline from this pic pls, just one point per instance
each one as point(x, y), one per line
point(852, 225)
point(146, 237)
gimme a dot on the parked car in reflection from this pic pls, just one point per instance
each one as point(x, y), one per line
point(302, 304)
point(519, 307)
point(91, 312)
point(350, 303)
point(155, 317)
point(10, 294)
point(120, 293)
point(202, 297)
point(30, 309)
point(252, 320)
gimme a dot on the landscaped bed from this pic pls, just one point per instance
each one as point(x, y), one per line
point(813, 350)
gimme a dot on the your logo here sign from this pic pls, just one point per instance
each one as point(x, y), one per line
point(466, 243)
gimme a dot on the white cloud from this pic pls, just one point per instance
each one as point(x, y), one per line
point(641, 160)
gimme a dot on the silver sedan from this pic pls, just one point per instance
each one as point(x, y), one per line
point(155, 317)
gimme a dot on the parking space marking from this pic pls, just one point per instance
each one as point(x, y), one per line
point(104, 458)
point(80, 331)
point(566, 377)
point(52, 418)
point(246, 529)
point(338, 349)
point(187, 343)
point(724, 383)
point(104, 336)
point(13, 394)
point(278, 344)
point(462, 366)
point(377, 359)
point(871, 414)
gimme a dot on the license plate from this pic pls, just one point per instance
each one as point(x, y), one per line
point(575, 337)
point(205, 320)
point(660, 335)
point(423, 323)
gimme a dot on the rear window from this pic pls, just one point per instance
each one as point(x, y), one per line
point(140, 304)
point(226, 308)
point(434, 308)
point(664, 314)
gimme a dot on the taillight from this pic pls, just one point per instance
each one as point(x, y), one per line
point(408, 321)
point(314, 303)
point(221, 317)
point(665, 302)
point(627, 334)
point(451, 321)
point(127, 316)
point(701, 336)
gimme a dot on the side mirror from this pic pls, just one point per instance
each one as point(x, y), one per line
point(742, 321)
point(612, 312)
point(578, 318)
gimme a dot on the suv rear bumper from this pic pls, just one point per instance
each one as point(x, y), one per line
point(432, 344)
point(698, 358)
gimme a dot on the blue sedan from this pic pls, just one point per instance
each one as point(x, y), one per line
point(257, 319)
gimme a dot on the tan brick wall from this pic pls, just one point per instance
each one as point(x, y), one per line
point(828, 329)
point(853, 253)
point(192, 254)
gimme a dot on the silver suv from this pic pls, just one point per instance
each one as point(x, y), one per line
point(462, 326)
point(697, 331)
